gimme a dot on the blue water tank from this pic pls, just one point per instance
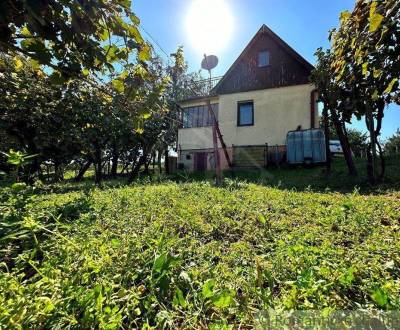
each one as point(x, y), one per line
point(306, 146)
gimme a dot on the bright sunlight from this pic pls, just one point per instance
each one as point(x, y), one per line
point(209, 25)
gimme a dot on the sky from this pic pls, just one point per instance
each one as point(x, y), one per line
point(304, 25)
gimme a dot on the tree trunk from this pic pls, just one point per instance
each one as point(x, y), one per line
point(327, 137)
point(146, 166)
point(98, 166)
point(135, 171)
point(115, 157)
point(153, 160)
point(34, 166)
point(166, 163)
point(369, 119)
point(159, 162)
point(58, 175)
point(382, 160)
point(83, 170)
point(344, 143)
point(124, 168)
point(379, 118)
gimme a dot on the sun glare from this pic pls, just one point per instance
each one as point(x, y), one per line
point(209, 25)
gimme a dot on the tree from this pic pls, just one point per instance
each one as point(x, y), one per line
point(366, 65)
point(86, 40)
point(26, 107)
point(358, 141)
point(332, 96)
point(392, 146)
point(71, 36)
point(182, 85)
point(82, 122)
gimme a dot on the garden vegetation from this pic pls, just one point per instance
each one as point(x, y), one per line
point(191, 255)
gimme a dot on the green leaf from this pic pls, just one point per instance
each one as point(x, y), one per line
point(125, 3)
point(365, 68)
point(380, 297)
point(163, 262)
point(18, 64)
point(208, 289)
point(85, 72)
point(341, 73)
point(179, 299)
point(25, 32)
point(375, 19)
point(37, 48)
point(134, 19)
point(139, 130)
point(223, 299)
point(105, 35)
point(389, 88)
point(134, 33)
point(111, 52)
point(34, 63)
point(123, 75)
point(145, 53)
point(377, 73)
point(348, 277)
point(19, 186)
point(115, 242)
point(262, 219)
point(344, 16)
point(56, 78)
point(118, 85)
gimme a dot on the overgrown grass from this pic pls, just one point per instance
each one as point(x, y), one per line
point(189, 255)
point(313, 178)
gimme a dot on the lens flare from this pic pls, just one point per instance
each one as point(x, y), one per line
point(209, 25)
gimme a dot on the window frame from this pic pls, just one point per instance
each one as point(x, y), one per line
point(269, 58)
point(198, 116)
point(239, 104)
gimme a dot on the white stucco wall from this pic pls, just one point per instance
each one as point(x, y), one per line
point(195, 138)
point(276, 111)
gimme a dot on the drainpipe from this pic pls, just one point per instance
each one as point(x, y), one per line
point(313, 102)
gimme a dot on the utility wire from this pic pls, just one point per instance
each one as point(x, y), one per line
point(156, 43)
point(169, 62)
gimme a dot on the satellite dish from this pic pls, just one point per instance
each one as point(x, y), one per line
point(209, 62)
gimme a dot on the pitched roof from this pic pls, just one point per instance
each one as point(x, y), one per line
point(279, 41)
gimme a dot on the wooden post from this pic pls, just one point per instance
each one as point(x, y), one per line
point(219, 134)
point(218, 174)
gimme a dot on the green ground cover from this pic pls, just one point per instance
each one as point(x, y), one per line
point(190, 255)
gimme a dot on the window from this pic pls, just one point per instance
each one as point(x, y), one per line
point(245, 116)
point(198, 116)
point(263, 59)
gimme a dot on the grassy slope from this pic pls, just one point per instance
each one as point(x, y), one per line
point(315, 178)
point(191, 254)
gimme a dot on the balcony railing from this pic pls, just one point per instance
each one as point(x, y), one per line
point(201, 88)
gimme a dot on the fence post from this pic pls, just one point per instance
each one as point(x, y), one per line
point(276, 156)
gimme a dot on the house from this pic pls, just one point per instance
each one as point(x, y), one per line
point(265, 94)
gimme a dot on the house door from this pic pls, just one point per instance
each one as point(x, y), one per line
point(200, 161)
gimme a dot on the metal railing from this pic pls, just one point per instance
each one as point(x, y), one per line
point(202, 87)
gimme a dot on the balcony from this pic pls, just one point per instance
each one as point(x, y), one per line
point(201, 88)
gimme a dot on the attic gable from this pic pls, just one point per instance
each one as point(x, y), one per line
point(286, 67)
